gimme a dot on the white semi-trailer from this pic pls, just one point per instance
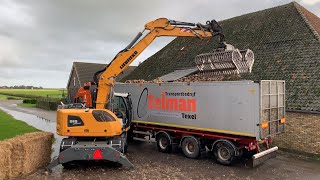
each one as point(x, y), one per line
point(226, 118)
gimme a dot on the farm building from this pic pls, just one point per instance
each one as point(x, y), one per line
point(82, 72)
point(286, 43)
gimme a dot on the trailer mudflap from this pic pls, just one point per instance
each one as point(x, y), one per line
point(263, 156)
point(89, 151)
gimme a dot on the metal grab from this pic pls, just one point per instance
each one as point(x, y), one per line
point(225, 61)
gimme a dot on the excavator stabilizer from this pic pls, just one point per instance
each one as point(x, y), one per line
point(83, 151)
point(225, 61)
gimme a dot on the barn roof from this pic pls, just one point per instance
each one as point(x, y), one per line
point(85, 71)
point(286, 43)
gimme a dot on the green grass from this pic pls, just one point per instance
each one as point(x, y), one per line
point(10, 127)
point(27, 105)
point(6, 97)
point(3, 97)
point(52, 93)
point(14, 98)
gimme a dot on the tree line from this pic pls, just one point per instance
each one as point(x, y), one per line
point(21, 87)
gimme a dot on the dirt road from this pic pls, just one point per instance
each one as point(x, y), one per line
point(151, 164)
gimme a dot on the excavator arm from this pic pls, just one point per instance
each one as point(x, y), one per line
point(157, 28)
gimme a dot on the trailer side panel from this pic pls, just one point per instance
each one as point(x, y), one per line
point(223, 107)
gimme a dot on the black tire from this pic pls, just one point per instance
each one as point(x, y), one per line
point(125, 144)
point(164, 143)
point(224, 153)
point(130, 136)
point(191, 147)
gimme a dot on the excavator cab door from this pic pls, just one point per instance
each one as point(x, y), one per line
point(123, 110)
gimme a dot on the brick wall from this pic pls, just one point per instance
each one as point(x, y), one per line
point(302, 133)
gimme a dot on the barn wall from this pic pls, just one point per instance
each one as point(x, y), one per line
point(302, 133)
point(73, 85)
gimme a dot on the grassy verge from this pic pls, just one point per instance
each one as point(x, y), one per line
point(27, 105)
point(3, 97)
point(14, 98)
point(11, 127)
point(6, 97)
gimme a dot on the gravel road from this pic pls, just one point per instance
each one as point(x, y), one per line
point(151, 164)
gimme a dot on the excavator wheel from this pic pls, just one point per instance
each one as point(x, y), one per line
point(124, 142)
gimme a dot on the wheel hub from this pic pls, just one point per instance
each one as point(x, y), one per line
point(224, 153)
point(163, 143)
point(190, 148)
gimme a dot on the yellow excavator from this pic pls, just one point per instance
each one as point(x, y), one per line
point(100, 132)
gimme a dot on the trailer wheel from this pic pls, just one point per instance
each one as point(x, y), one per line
point(190, 147)
point(164, 142)
point(224, 152)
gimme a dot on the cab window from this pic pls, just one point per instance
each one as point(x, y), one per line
point(120, 104)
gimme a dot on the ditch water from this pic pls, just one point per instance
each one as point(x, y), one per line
point(39, 123)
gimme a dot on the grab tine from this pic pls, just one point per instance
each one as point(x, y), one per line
point(225, 62)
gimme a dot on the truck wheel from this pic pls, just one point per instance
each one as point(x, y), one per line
point(164, 142)
point(224, 153)
point(190, 147)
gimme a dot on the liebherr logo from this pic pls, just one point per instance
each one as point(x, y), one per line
point(128, 60)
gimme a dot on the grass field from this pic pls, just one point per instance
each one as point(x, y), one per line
point(52, 93)
point(10, 127)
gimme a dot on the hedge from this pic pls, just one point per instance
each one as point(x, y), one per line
point(48, 104)
point(30, 101)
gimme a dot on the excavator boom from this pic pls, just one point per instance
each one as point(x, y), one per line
point(157, 28)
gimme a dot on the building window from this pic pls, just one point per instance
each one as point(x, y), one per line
point(74, 81)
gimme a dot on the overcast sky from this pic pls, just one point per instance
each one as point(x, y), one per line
point(39, 39)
